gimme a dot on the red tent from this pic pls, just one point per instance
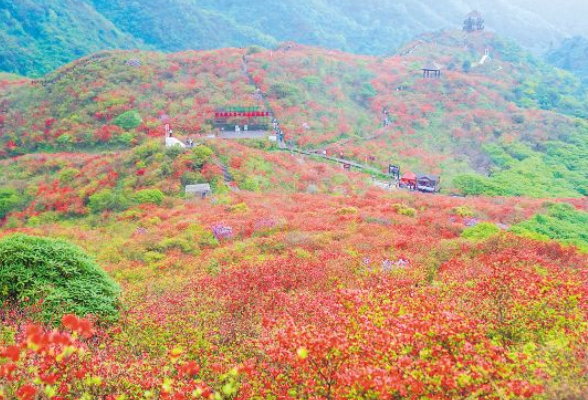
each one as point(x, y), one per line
point(408, 179)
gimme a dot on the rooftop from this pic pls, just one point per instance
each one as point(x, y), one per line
point(432, 66)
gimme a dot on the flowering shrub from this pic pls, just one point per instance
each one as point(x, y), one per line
point(66, 364)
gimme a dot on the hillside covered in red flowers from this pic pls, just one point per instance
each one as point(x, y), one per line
point(507, 125)
point(296, 278)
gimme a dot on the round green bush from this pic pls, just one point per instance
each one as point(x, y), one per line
point(129, 120)
point(149, 196)
point(57, 273)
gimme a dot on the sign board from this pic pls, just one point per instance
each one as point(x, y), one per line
point(394, 170)
point(246, 114)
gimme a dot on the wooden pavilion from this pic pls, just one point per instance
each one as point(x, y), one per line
point(432, 70)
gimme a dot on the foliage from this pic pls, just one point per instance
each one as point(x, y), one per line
point(66, 366)
point(108, 200)
point(149, 196)
point(475, 185)
point(9, 200)
point(402, 209)
point(200, 156)
point(57, 274)
point(283, 90)
point(561, 222)
point(481, 231)
point(40, 36)
point(128, 120)
point(312, 295)
point(298, 278)
point(571, 55)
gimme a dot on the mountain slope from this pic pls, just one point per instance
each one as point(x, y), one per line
point(42, 35)
point(179, 24)
point(38, 36)
point(483, 127)
point(572, 55)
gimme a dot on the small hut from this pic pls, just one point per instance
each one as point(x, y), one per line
point(428, 183)
point(473, 22)
point(408, 180)
point(200, 191)
point(432, 70)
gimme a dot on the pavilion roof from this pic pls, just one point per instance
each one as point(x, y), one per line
point(432, 66)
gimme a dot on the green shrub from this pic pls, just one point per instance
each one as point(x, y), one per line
point(250, 183)
point(9, 200)
point(149, 196)
point(481, 231)
point(126, 139)
point(107, 200)
point(463, 211)
point(152, 257)
point(561, 222)
point(200, 156)
point(368, 91)
point(192, 178)
point(129, 120)
point(402, 209)
point(186, 246)
point(58, 273)
point(68, 174)
point(283, 90)
point(475, 185)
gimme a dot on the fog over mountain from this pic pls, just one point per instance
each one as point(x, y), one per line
point(39, 35)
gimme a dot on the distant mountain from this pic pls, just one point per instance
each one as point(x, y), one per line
point(39, 35)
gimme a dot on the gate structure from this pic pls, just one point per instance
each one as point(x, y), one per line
point(241, 119)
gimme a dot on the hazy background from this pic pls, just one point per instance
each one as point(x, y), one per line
point(37, 36)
